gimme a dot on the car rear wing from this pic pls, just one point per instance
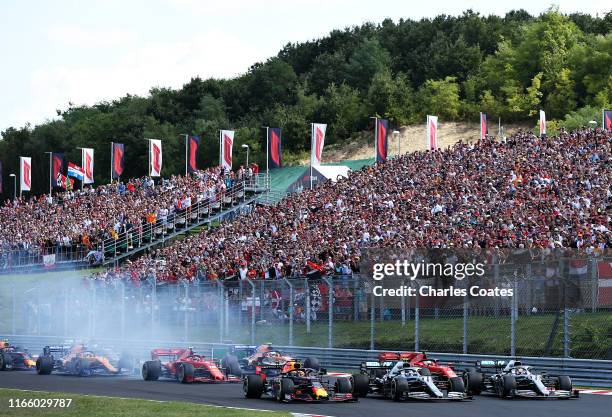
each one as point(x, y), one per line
point(63, 349)
point(491, 364)
point(378, 365)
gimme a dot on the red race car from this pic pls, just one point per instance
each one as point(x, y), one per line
point(184, 366)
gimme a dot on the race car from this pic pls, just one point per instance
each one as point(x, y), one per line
point(513, 379)
point(79, 360)
point(398, 380)
point(292, 382)
point(185, 366)
point(14, 358)
point(443, 374)
point(246, 358)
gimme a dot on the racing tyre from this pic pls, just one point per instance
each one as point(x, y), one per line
point(343, 386)
point(564, 383)
point(44, 365)
point(185, 373)
point(361, 385)
point(473, 381)
point(2, 362)
point(425, 372)
point(81, 367)
point(456, 385)
point(151, 370)
point(312, 363)
point(508, 386)
point(126, 362)
point(253, 386)
point(398, 387)
point(286, 388)
point(231, 365)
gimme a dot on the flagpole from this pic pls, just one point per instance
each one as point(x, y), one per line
point(267, 150)
point(50, 172)
point(82, 167)
point(311, 146)
point(186, 153)
point(375, 135)
point(220, 150)
point(112, 162)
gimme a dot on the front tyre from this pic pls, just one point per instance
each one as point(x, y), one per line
point(253, 386)
point(361, 385)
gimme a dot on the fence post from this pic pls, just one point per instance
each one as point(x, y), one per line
point(403, 301)
point(566, 333)
point(372, 320)
point(261, 299)
point(290, 310)
point(513, 314)
point(252, 310)
point(14, 308)
point(122, 309)
point(153, 302)
point(465, 324)
point(330, 311)
point(417, 323)
point(307, 289)
point(221, 309)
point(186, 314)
point(227, 301)
point(356, 299)
point(594, 285)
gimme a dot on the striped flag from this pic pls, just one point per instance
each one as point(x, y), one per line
point(75, 171)
point(432, 132)
point(484, 131)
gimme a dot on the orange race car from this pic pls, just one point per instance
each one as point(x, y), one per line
point(77, 359)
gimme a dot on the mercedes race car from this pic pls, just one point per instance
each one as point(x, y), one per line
point(399, 380)
point(185, 366)
point(291, 381)
point(246, 358)
point(78, 360)
point(513, 379)
point(15, 358)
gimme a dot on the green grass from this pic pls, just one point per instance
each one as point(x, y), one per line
point(92, 406)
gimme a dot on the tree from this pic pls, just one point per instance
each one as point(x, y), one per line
point(368, 59)
point(391, 97)
point(440, 97)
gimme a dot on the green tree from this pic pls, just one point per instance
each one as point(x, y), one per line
point(440, 97)
point(368, 59)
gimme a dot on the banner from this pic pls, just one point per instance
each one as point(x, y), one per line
point(155, 157)
point(75, 171)
point(227, 142)
point(25, 173)
point(193, 143)
point(275, 148)
point(607, 120)
point(381, 132)
point(87, 162)
point(317, 142)
point(432, 132)
point(49, 261)
point(58, 166)
point(484, 131)
point(117, 162)
point(542, 123)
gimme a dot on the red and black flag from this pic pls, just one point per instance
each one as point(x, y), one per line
point(381, 132)
point(58, 167)
point(193, 143)
point(117, 160)
point(607, 120)
point(275, 154)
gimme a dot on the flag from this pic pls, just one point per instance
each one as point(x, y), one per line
point(58, 166)
point(381, 131)
point(542, 123)
point(317, 142)
point(87, 158)
point(75, 171)
point(227, 142)
point(483, 126)
point(193, 143)
point(64, 182)
point(155, 157)
point(607, 120)
point(274, 147)
point(1, 179)
point(432, 132)
point(117, 162)
point(25, 173)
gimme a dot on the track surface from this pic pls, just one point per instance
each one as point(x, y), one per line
point(231, 395)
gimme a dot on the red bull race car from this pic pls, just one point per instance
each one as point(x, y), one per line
point(15, 358)
point(244, 359)
point(79, 360)
point(183, 365)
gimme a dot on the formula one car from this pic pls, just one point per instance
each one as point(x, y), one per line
point(443, 374)
point(513, 379)
point(244, 359)
point(398, 380)
point(78, 360)
point(291, 381)
point(14, 358)
point(185, 366)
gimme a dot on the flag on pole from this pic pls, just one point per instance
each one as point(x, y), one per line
point(227, 143)
point(25, 173)
point(432, 132)
point(75, 171)
point(87, 162)
point(193, 143)
point(607, 120)
point(58, 166)
point(64, 182)
point(317, 142)
point(484, 131)
point(381, 132)
point(117, 162)
point(275, 147)
point(542, 123)
point(155, 157)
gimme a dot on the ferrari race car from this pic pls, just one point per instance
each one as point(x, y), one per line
point(513, 379)
point(14, 358)
point(77, 359)
point(395, 378)
point(291, 381)
point(185, 366)
point(246, 358)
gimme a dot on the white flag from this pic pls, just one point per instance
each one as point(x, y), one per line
point(25, 173)
point(155, 157)
point(432, 132)
point(542, 123)
point(226, 144)
point(87, 163)
point(317, 142)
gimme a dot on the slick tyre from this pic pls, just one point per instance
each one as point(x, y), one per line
point(456, 385)
point(185, 373)
point(564, 383)
point(253, 386)
point(2, 362)
point(473, 381)
point(399, 386)
point(81, 367)
point(312, 363)
point(286, 388)
point(231, 366)
point(343, 386)
point(151, 370)
point(44, 365)
point(508, 386)
point(361, 385)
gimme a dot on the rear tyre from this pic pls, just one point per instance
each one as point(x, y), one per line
point(343, 386)
point(564, 383)
point(253, 386)
point(151, 370)
point(185, 373)
point(44, 365)
point(398, 387)
point(508, 386)
point(81, 367)
point(126, 362)
point(286, 388)
point(2, 362)
point(231, 365)
point(456, 384)
point(312, 363)
point(361, 385)
point(473, 381)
